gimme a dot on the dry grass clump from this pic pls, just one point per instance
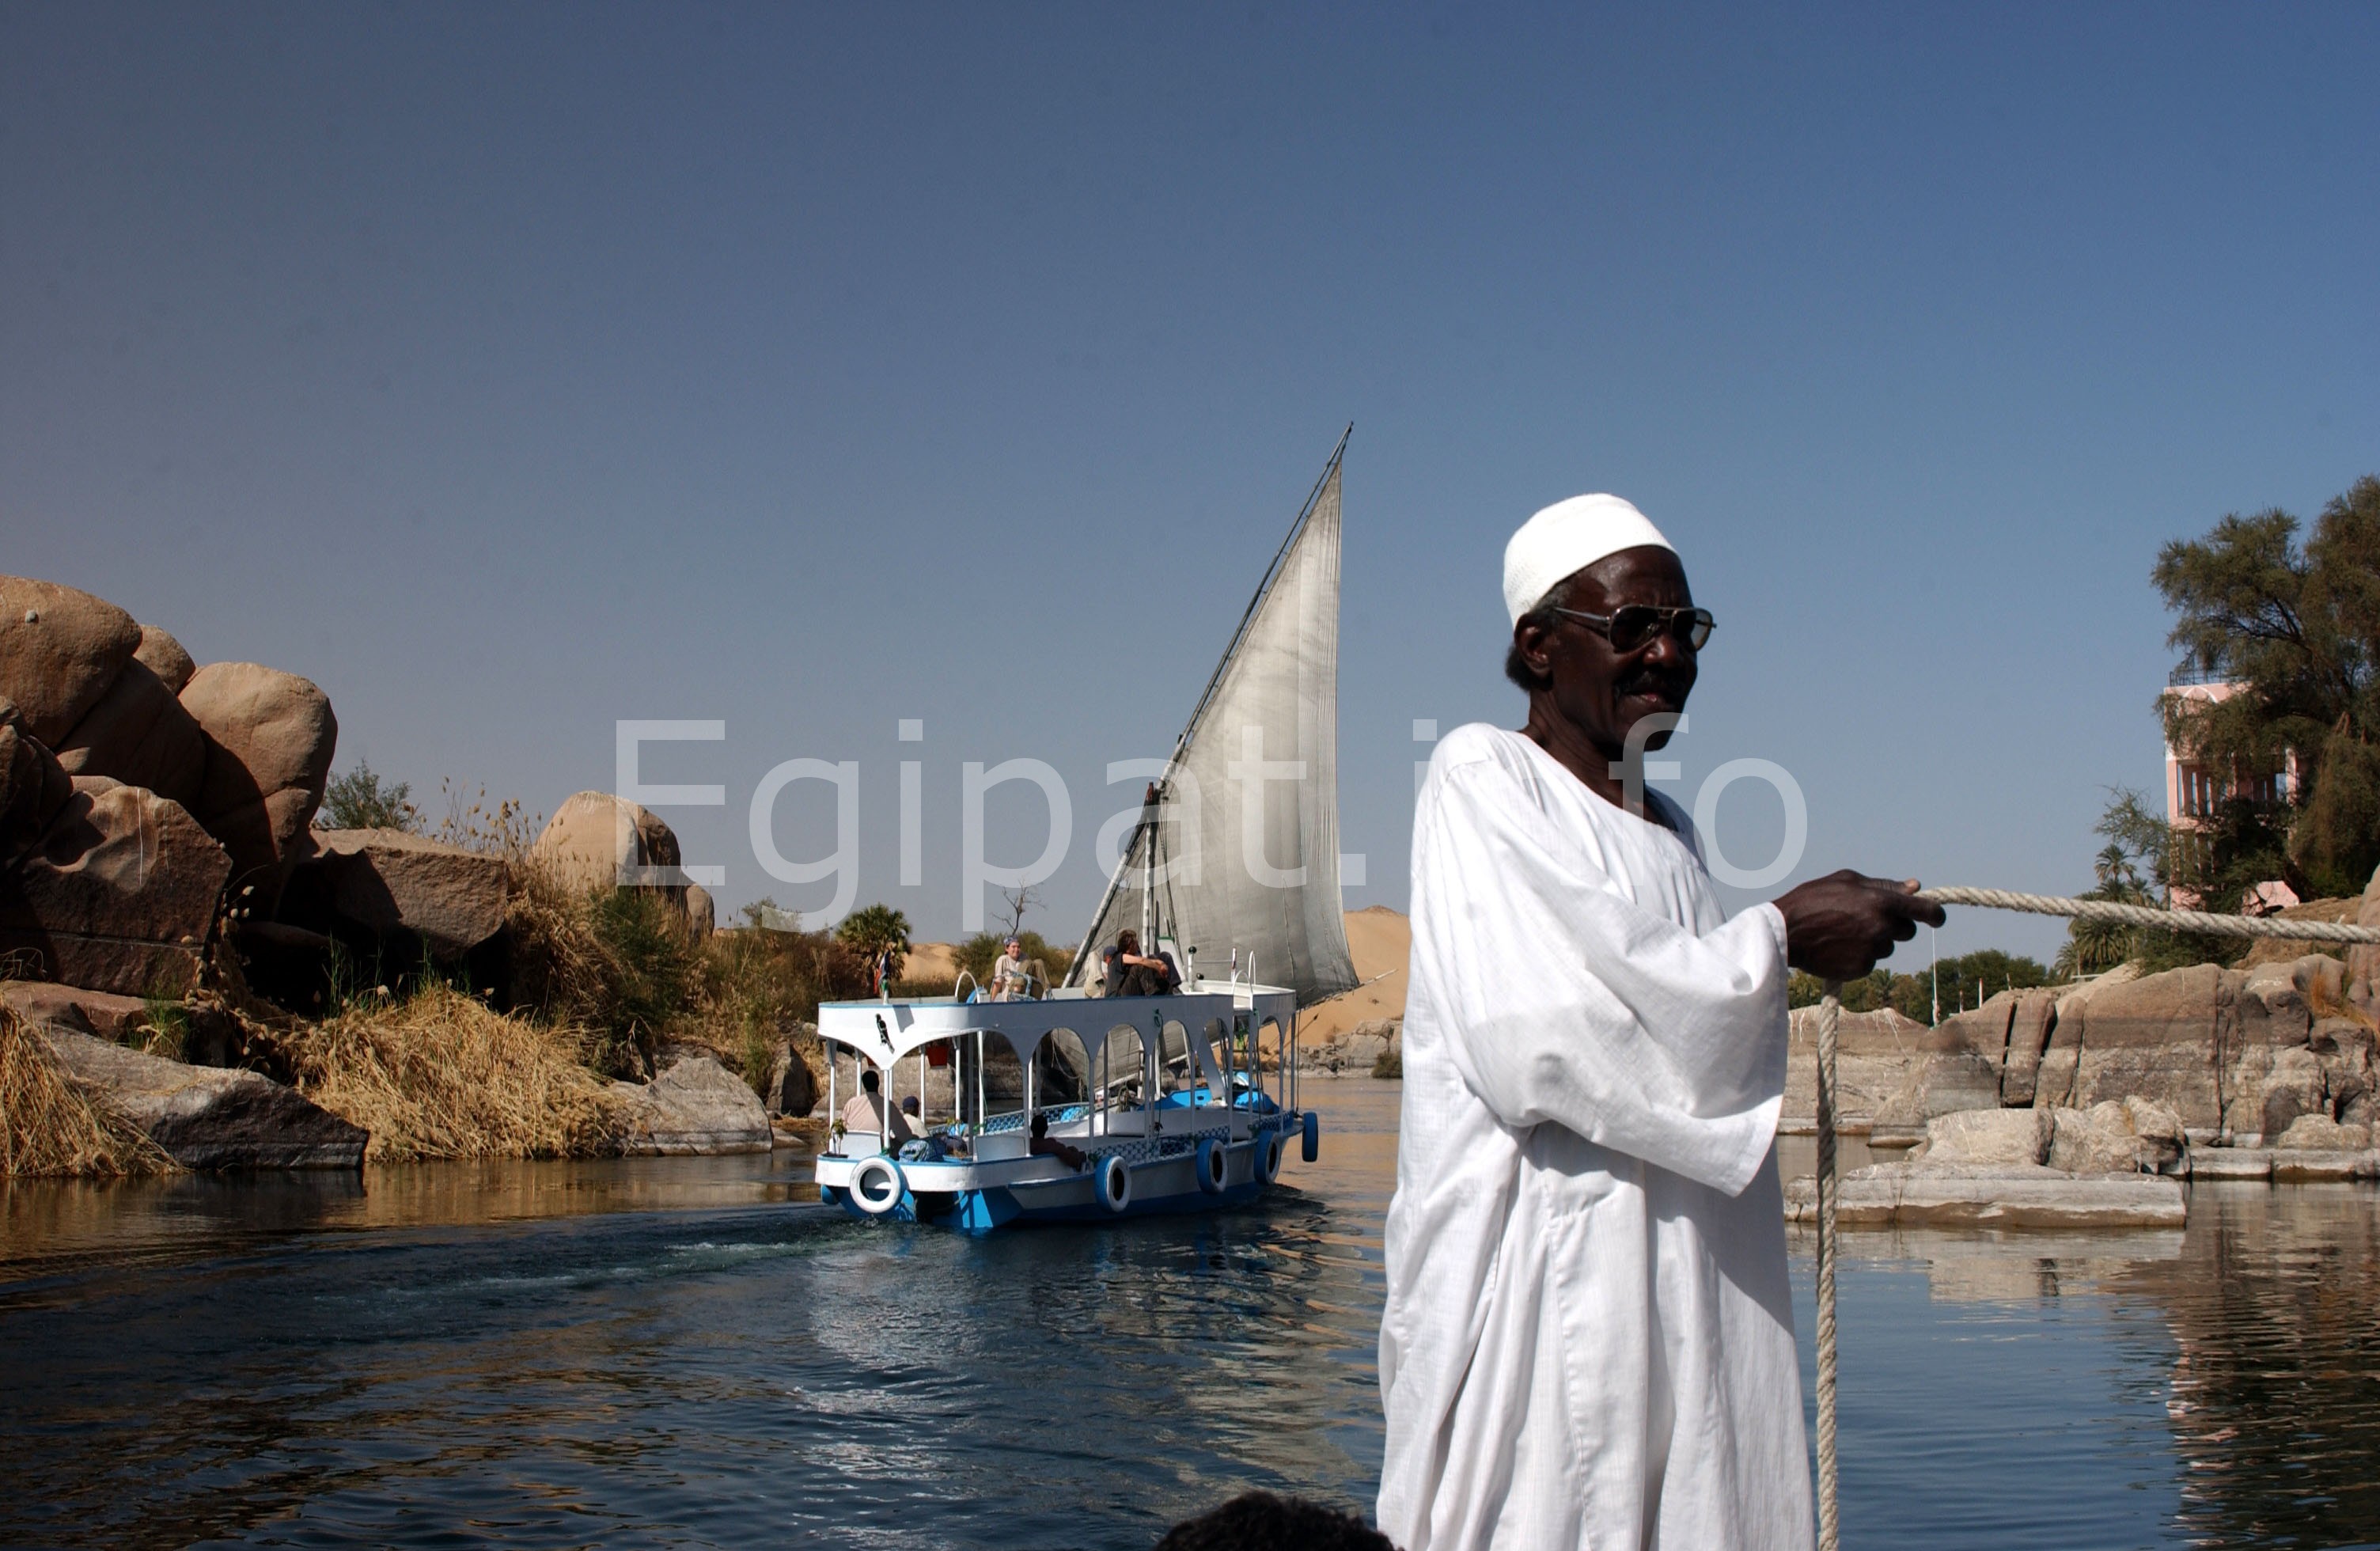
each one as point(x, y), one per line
point(51, 1126)
point(439, 1074)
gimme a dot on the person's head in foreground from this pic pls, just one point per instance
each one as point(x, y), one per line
point(868, 1081)
point(1587, 1338)
point(1012, 947)
point(1261, 1522)
point(909, 1105)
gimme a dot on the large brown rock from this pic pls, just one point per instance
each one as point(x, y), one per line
point(2095, 1140)
point(1989, 1136)
point(207, 1118)
point(695, 1107)
point(33, 787)
point(60, 649)
point(2155, 1037)
point(118, 896)
point(2028, 1037)
point(163, 656)
point(391, 882)
point(1927, 1195)
point(2363, 958)
point(103, 1013)
point(1875, 1056)
point(595, 839)
point(271, 736)
point(140, 735)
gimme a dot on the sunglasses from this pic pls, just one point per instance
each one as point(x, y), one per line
point(1632, 626)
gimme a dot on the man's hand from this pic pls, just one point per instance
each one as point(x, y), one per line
point(1838, 927)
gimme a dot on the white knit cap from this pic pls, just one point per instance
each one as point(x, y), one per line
point(1566, 537)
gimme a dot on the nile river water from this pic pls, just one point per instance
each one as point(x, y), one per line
point(692, 1353)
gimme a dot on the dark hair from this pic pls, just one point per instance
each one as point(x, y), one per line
point(868, 1080)
point(1542, 617)
point(1261, 1522)
point(1127, 941)
point(1041, 1122)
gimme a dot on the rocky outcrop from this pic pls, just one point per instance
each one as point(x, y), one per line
point(695, 1106)
point(1989, 1136)
point(140, 733)
point(391, 884)
point(1996, 1195)
point(119, 894)
point(1358, 1050)
point(2320, 1134)
point(75, 1008)
point(163, 656)
point(33, 786)
point(60, 650)
point(1877, 1056)
point(597, 841)
point(205, 1118)
point(270, 739)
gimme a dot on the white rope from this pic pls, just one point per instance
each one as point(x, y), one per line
point(2200, 922)
point(1829, 1013)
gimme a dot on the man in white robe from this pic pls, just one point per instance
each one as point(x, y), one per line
point(1588, 1336)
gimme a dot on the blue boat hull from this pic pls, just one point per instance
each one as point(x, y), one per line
point(981, 1211)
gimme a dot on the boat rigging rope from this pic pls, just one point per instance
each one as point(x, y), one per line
point(1830, 1010)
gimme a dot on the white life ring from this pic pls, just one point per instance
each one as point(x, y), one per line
point(1268, 1157)
point(876, 1185)
point(1114, 1183)
point(1213, 1162)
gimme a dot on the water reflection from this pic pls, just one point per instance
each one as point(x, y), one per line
point(685, 1352)
point(2275, 1308)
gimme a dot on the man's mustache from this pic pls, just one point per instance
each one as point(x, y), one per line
point(1668, 685)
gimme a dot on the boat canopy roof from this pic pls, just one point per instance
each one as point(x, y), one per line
point(884, 1032)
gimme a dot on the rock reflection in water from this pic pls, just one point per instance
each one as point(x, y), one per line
point(2275, 1306)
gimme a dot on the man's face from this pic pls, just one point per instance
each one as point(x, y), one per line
point(1602, 691)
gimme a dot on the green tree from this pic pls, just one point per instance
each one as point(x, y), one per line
point(2299, 629)
point(1965, 982)
point(361, 800)
point(876, 929)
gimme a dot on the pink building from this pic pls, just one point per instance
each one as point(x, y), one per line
point(2193, 793)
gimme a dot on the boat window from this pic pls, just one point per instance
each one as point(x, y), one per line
point(1003, 1078)
point(1175, 1070)
point(1116, 1069)
point(1062, 1069)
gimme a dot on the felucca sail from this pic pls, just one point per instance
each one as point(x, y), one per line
point(1238, 849)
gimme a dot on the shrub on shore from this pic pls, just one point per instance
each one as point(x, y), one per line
point(440, 1074)
point(51, 1126)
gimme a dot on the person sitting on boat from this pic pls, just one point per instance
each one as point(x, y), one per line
point(865, 1112)
point(1132, 972)
point(1588, 1332)
point(1043, 1145)
point(1009, 980)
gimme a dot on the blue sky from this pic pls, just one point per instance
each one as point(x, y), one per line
point(513, 371)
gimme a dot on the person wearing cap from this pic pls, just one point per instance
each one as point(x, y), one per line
point(1588, 1334)
point(1008, 977)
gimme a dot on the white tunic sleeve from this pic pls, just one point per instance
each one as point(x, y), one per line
point(1563, 1000)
